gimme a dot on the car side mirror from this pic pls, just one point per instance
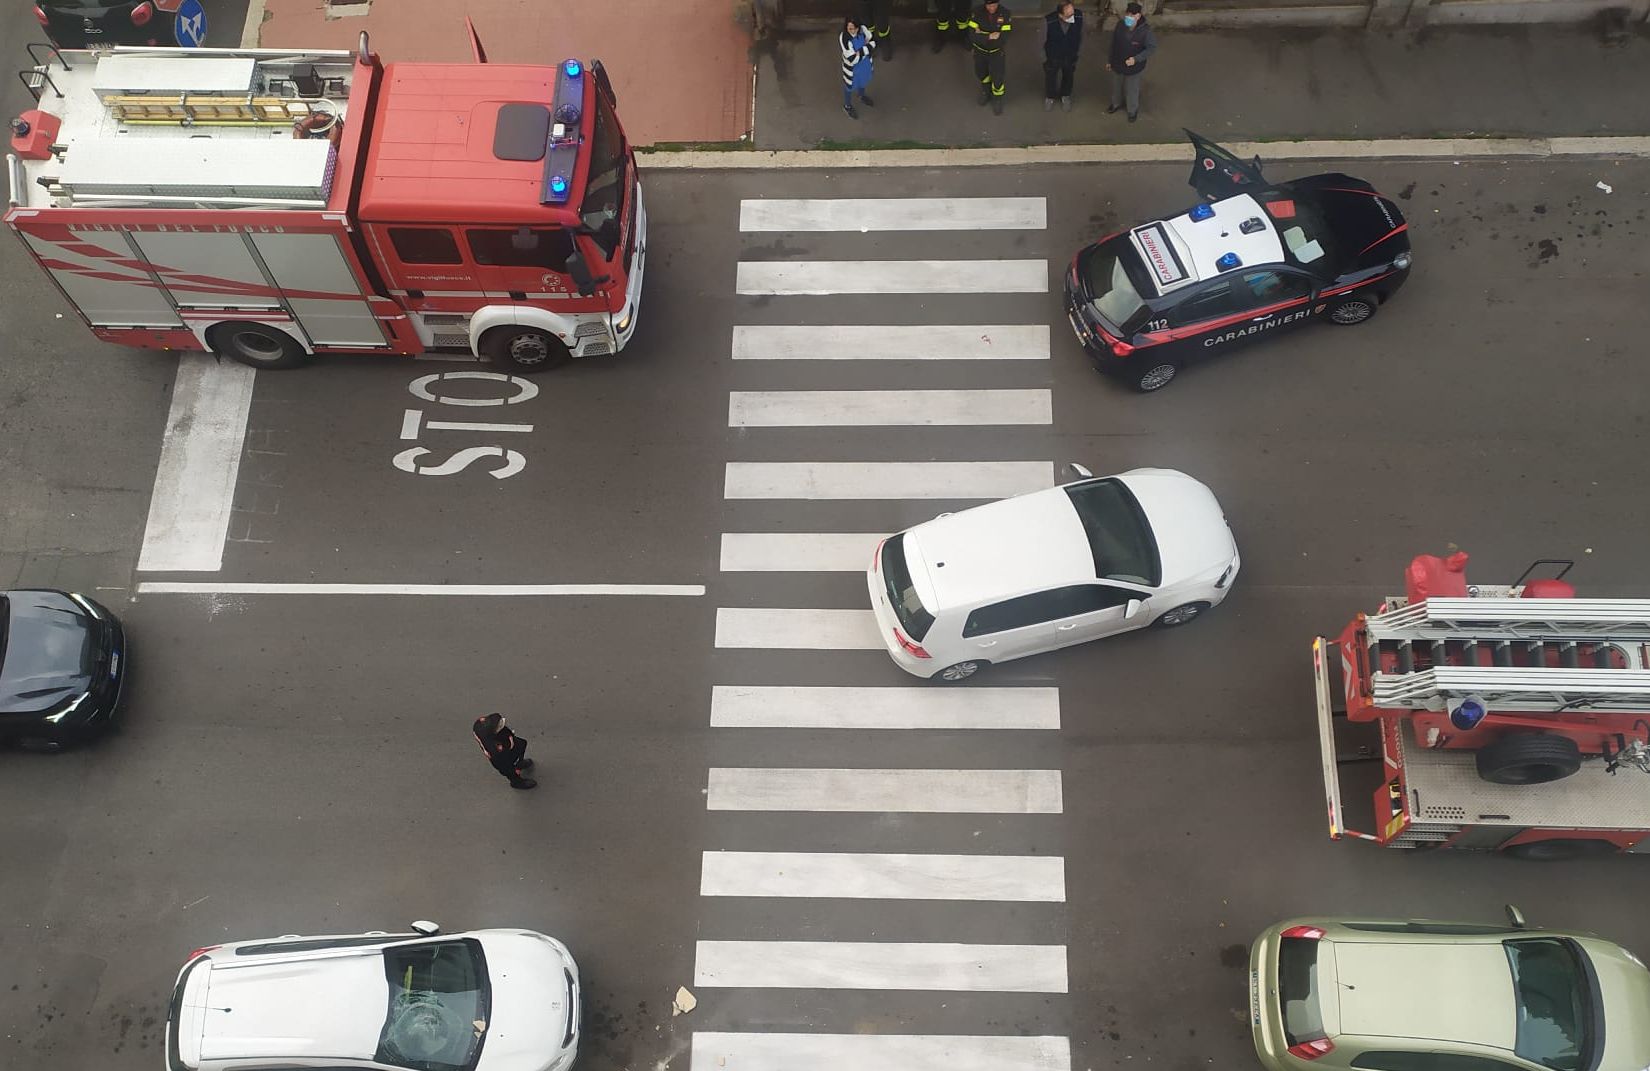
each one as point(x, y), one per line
point(1079, 471)
point(1132, 610)
point(1516, 917)
point(426, 927)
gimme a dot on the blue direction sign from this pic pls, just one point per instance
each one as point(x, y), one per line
point(190, 24)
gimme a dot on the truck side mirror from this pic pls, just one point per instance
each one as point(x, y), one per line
point(425, 927)
point(1080, 471)
point(1516, 917)
point(1132, 610)
point(580, 272)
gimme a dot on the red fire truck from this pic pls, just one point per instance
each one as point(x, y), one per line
point(268, 204)
point(1514, 718)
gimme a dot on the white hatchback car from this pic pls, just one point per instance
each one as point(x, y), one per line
point(487, 1000)
point(1050, 569)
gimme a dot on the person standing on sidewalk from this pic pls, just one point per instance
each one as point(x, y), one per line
point(950, 20)
point(987, 28)
point(856, 43)
point(877, 26)
point(1132, 44)
point(504, 749)
point(1062, 38)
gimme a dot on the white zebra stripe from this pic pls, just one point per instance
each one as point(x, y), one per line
point(880, 965)
point(787, 707)
point(892, 342)
point(819, 277)
point(887, 408)
point(885, 479)
point(713, 1051)
point(895, 214)
point(746, 788)
point(873, 876)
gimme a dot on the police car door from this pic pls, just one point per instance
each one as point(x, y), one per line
point(1217, 173)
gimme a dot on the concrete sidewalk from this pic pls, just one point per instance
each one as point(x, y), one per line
point(1248, 85)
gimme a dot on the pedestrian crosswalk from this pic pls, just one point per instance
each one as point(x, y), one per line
point(858, 792)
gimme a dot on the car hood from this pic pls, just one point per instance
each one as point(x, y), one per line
point(1624, 985)
point(50, 651)
point(532, 1003)
point(1186, 520)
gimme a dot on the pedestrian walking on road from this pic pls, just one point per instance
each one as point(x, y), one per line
point(1062, 38)
point(986, 28)
point(878, 27)
point(950, 22)
point(1132, 44)
point(857, 44)
point(504, 749)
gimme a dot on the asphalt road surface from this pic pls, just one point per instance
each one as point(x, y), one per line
point(300, 761)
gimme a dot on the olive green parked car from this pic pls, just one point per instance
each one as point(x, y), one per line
point(1414, 995)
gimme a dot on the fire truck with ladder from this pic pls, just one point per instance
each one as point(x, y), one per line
point(268, 205)
point(1510, 718)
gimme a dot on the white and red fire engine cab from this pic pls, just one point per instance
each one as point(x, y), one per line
point(1513, 718)
point(268, 204)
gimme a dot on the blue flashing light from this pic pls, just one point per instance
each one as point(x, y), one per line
point(1468, 714)
point(558, 185)
point(573, 68)
point(1228, 261)
point(1199, 213)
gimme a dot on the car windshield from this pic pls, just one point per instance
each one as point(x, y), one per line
point(913, 616)
point(604, 192)
point(1298, 990)
point(1553, 1007)
point(438, 1006)
point(1119, 536)
point(1106, 276)
point(1300, 225)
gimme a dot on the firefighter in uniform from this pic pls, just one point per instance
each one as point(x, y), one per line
point(950, 20)
point(506, 751)
point(986, 28)
point(877, 25)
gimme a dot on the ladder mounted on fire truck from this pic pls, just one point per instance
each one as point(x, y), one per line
point(1547, 655)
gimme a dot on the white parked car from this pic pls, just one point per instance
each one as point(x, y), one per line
point(487, 1000)
point(1050, 569)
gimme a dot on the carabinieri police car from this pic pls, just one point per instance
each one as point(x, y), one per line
point(1255, 259)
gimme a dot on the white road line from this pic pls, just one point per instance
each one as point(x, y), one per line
point(896, 214)
point(880, 965)
point(887, 408)
point(797, 630)
point(892, 277)
point(746, 788)
point(171, 588)
point(798, 552)
point(869, 876)
point(199, 461)
point(892, 342)
point(787, 707)
point(885, 479)
point(877, 1052)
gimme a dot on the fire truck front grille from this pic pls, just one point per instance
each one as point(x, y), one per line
point(594, 338)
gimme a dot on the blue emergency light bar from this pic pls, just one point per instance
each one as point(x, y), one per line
point(561, 154)
point(1199, 213)
point(1228, 261)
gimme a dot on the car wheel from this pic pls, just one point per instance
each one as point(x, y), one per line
point(525, 349)
point(960, 671)
point(1553, 851)
point(1352, 310)
point(1184, 614)
point(1528, 759)
point(1157, 377)
point(258, 345)
point(42, 745)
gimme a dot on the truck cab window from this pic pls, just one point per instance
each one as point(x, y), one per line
point(425, 245)
point(521, 247)
point(603, 200)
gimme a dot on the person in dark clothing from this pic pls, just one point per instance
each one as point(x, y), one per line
point(876, 22)
point(950, 21)
point(986, 28)
point(1132, 44)
point(504, 749)
point(1062, 38)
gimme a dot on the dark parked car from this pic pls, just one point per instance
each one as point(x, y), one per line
point(83, 23)
point(62, 664)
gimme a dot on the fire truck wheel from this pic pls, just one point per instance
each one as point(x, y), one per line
point(1553, 851)
point(961, 671)
point(526, 349)
point(1352, 310)
point(258, 345)
point(1183, 614)
point(1156, 377)
point(1529, 759)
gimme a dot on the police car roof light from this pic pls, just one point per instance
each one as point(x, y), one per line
point(1228, 261)
point(1199, 213)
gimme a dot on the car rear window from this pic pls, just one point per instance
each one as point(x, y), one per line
point(1116, 292)
point(913, 616)
point(438, 1008)
point(1554, 1007)
point(1298, 989)
point(1119, 536)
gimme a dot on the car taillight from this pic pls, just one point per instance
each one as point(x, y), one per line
point(199, 952)
point(41, 15)
point(1119, 348)
point(142, 13)
point(913, 649)
point(1311, 1050)
point(1310, 933)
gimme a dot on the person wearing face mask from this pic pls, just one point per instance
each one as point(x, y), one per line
point(1132, 44)
point(1062, 38)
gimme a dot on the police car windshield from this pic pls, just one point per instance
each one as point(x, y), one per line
point(1300, 225)
point(1106, 276)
